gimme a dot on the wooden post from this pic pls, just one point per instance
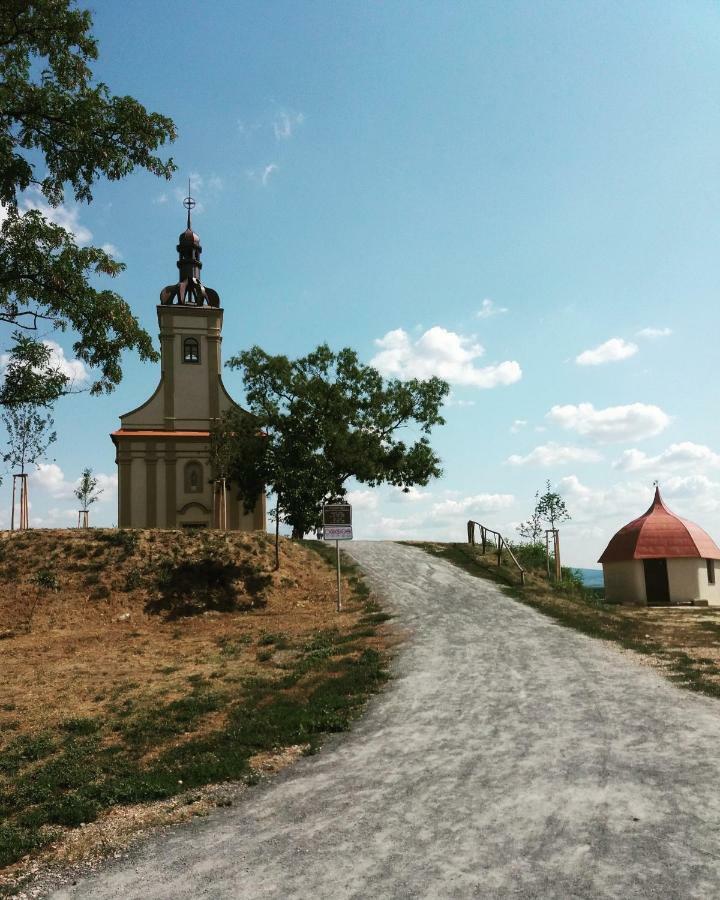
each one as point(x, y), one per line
point(558, 567)
point(499, 549)
point(12, 514)
point(24, 516)
point(83, 518)
point(471, 532)
point(484, 539)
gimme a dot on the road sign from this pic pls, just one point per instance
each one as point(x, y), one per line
point(337, 533)
point(337, 526)
point(337, 514)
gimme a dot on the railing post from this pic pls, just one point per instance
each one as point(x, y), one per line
point(482, 533)
point(500, 544)
point(471, 532)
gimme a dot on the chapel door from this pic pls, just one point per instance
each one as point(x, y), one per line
point(656, 581)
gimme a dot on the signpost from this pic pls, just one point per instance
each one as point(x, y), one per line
point(337, 526)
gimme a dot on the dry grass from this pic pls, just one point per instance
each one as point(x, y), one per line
point(138, 665)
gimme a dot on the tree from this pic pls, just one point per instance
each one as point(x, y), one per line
point(58, 128)
point(532, 528)
point(29, 436)
point(552, 508)
point(86, 491)
point(319, 420)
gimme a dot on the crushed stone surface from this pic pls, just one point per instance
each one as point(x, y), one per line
point(509, 757)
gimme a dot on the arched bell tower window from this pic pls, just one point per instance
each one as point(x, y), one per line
point(191, 350)
point(193, 478)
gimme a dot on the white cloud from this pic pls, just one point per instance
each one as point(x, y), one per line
point(362, 499)
point(286, 122)
point(634, 421)
point(262, 176)
point(517, 425)
point(652, 333)
point(64, 216)
point(451, 400)
point(73, 369)
point(443, 353)
point(554, 455)
point(488, 309)
point(611, 351)
point(50, 479)
point(474, 505)
point(682, 454)
point(112, 250)
point(160, 199)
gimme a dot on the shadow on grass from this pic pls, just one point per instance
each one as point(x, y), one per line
point(193, 587)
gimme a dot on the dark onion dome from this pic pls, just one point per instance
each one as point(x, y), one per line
point(189, 291)
point(660, 534)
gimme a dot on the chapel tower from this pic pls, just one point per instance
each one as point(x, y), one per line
point(165, 478)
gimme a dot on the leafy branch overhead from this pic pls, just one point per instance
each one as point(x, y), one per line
point(319, 420)
point(59, 129)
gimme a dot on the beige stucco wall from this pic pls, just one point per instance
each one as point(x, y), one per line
point(198, 507)
point(687, 580)
point(625, 582)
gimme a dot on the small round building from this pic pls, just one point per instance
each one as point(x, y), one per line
point(661, 559)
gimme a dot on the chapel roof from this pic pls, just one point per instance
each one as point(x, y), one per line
point(660, 534)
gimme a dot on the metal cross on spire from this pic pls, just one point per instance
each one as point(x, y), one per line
point(188, 203)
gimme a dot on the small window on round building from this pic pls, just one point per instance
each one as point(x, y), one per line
point(191, 350)
point(193, 478)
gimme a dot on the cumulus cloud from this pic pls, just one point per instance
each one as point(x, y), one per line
point(50, 479)
point(112, 250)
point(73, 369)
point(443, 353)
point(611, 351)
point(362, 499)
point(652, 333)
point(66, 217)
point(478, 504)
point(635, 421)
point(552, 454)
point(286, 122)
point(679, 455)
point(489, 309)
point(517, 425)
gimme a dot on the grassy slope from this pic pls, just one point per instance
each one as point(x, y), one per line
point(156, 662)
point(683, 643)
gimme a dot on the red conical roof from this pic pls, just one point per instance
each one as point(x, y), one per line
point(658, 534)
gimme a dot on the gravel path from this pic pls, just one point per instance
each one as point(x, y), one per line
point(510, 757)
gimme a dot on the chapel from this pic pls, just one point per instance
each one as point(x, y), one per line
point(660, 559)
point(165, 479)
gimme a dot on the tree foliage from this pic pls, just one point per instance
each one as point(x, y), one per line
point(551, 507)
point(59, 129)
point(29, 436)
point(316, 422)
point(86, 491)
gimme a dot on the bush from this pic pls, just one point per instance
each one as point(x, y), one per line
point(133, 579)
point(46, 579)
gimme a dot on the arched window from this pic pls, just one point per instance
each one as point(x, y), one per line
point(191, 350)
point(193, 478)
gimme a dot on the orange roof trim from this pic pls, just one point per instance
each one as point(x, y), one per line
point(660, 534)
point(129, 432)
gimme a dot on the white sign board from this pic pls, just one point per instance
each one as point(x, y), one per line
point(337, 532)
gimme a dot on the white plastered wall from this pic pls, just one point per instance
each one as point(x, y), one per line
point(625, 582)
point(688, 579)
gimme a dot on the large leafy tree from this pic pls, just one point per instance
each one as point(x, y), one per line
point(316, 422)
point(60, 130)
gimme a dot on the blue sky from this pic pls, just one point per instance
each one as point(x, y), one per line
point(506, 194)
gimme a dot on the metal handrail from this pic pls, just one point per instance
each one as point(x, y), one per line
point(498, 542)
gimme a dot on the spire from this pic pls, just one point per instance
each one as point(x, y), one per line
point(188, 203)
point(189, 291)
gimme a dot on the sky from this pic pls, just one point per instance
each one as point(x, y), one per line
point(522, 198)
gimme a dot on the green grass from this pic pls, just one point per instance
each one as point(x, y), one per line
point(584, 610)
